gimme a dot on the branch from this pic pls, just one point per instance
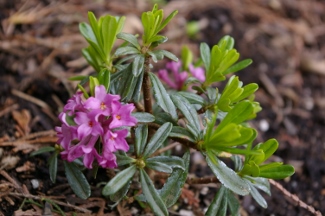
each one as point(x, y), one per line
point(146, 86)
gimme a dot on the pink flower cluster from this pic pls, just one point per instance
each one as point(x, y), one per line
point(94, 128)
point(178, 76)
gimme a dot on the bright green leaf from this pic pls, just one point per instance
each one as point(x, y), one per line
point(129, 38)
point(279, 172)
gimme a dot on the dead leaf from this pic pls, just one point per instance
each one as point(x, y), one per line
point(23, 119)
point(9, 162)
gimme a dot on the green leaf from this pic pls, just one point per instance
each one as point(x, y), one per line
point(227, 176)
point(128, 50)
point(94, 26)
point(218, 206)
point(42, 150)
point(238, 114)
point(162, 97)
point(169, 55)
point(256, 195)
point(238, 66)
point(158, 166)
point(154, 200)
point(260, 183)
point(119, 181)
point(250, 169)
point(157, 139)
point(170, 161)
point(233, 203)
point(279, 172)
point(268, 147)
point(141, 135)
point(248, 91)
point(192, 98)
point(137, 65)
point(166, 21)
point(104, 78)
point(188, 111)
point(129, 38)
point(180, 132)
point(123, 159)
point(77, 180)
point(226, 43)
point(173, 187)
point(205, 55)
point(143, 117)
point(53, 166)
point(120, 194)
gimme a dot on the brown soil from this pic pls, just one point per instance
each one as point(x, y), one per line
point(40, 48)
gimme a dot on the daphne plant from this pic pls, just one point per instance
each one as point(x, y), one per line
point(127, 117)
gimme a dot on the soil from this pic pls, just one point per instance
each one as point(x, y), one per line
point(40, 49)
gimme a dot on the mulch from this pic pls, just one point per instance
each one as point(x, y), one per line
point(40, 49)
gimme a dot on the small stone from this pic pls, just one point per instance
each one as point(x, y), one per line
point(264, 125)
point(35, 183)
point(204, 191)
point(185, 213)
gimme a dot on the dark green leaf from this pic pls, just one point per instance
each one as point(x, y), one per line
point(227, 176)
point(137, 65)
point(256, 195)
point(170, 161)
point(124, 160)
point(128, 50)
point(141, 134)
point(129, 38)
point(183, 133)
point(187, 109)
point(192, 98)
point(152, 197)
point(77, 180)
point(104, 78)
point(260, 183)
point(42, 150)
point(218, 206)
point(53, 166)
point(169, 55)
point(158, 166)
point(161, 96)
point(120, 194)
point(157, 139)
point(233, 203)
point(143, 117)
point(173, 187)
point(119, 181)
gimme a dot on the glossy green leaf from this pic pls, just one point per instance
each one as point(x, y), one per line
point(136, 97)
point(104, 78)
point(173, 187)
point(91, 56)
point(256, 195)
point(260, 183)
point(119, 181)
point(94, 26)
point(53, 166)
point(120, 194)
point(158, 166)
point(137, 65)
point(127, 50)
point(248, 91)
point(143, 117)
point(77, 180)
point(218, 206)
point(151, 194)
point(129, 38)
point(162, 97)
point(279, 172)
point(141, 135)
point(238, 66)
point(162, 117)
point(170, 161)
point(205, 55)
point(250, 169)
point(169, 55)
point(268, 147)
point(233, 203)
point(238, 114)
point(192, 98)
point(188, 110)
point(42, 150)
point(180, 132)
point(157, 139)
point(227, 176)
point(123, 159)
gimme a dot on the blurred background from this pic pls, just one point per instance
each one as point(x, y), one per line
point(40, 47)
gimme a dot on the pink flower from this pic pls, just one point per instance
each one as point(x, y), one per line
point(102, 101)
point(88, 124)
point(121, 115)
point(114, 141)
point(198, 72)
point(177, 78)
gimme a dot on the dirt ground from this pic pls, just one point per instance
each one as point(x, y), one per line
point(40, 48)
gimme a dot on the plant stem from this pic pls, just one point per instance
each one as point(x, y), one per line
point(146, 86)
point(206, 180)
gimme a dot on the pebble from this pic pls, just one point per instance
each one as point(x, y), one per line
point(35, 183)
